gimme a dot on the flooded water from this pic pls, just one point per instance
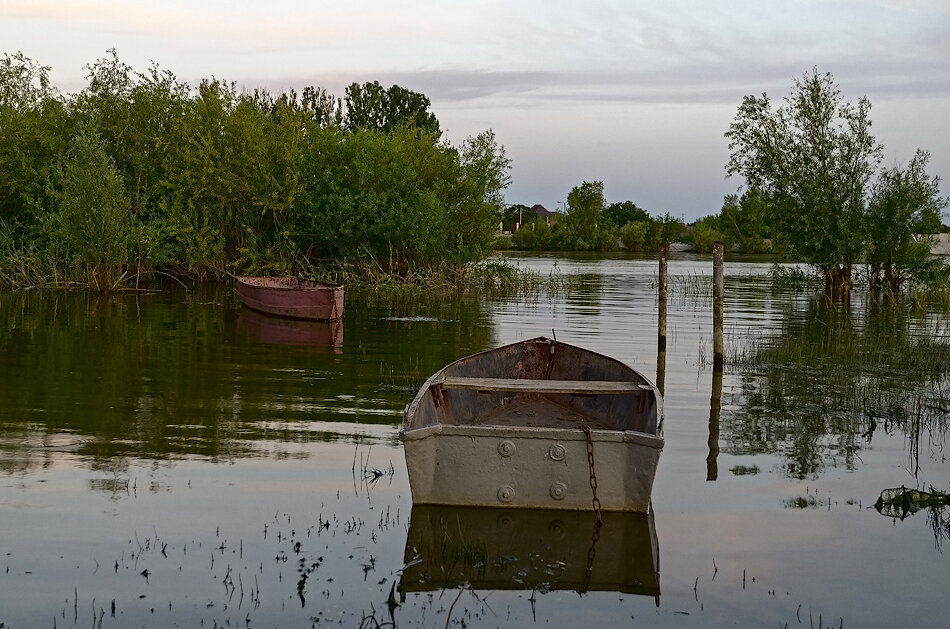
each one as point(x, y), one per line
point(169, 459)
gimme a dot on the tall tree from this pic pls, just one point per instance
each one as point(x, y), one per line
point(371, 106)
point(32, 135)
point(585, 203)
point(812, 158)
point(904, 204)
point(477, 203)
point(92, 218)
point(623, 212)
point(743, 221)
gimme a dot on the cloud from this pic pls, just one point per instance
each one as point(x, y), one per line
point(562, 79)
point(699, 83)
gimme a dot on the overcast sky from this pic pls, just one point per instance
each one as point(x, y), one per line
point(634, 94)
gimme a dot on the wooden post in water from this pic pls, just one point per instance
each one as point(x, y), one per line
point(715, 400)
point(718, 289)
point(661, 294)
point(661, 320)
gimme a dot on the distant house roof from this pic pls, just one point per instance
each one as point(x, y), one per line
point(541, 211)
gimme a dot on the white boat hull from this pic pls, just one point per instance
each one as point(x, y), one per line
point(532, 468)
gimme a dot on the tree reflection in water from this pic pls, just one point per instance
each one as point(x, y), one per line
point(836, 375)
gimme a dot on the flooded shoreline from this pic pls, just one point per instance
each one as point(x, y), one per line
point(158, 455)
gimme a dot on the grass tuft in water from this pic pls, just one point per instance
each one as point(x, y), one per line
point(744, 470)
point(835, 376)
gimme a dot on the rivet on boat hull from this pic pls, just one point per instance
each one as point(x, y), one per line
point(506, 448)
point(557, 452)
point(506, 493)
point(558, 490)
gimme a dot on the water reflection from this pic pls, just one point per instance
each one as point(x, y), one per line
point(190, 373)
point(715, 409)
point(114, 413)
point(318, 336)
point(530, 549)
point(835, 375)
point(901, 502)
point(584, 294)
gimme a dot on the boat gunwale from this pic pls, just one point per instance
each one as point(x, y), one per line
point(244, 280)
point(436, 378)
point(598, 435)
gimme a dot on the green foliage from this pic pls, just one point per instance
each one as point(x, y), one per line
point(744, 222)
point(812, 159)
point(374, 197)
point(32, 136)
point(401, 199)
point(476, 199)
point(585, 205)
point(217, 181)
point(705, 233)
point(811, 163)
point(903, 203)
point(665, 229)
point(371, 107)
point(583, 228)
point(633, 235)
point(624, 212)
point(586, 228)
point(516, 214)
point(534, 236)
point(793, 278)
point(24, 83)
point(93, 219)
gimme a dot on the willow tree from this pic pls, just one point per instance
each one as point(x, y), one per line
point(812, 158)
point(903, 209)
point(92, 219)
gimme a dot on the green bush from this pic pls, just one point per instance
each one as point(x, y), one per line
point(92, 218)
point(633, 235)
point(704, 236)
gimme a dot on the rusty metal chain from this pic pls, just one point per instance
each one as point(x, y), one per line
point(595, 502)
point(591, 554)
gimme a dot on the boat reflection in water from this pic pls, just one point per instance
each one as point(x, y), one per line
point(325, 337)
point(494, 548)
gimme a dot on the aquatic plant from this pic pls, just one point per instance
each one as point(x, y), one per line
point(902, 502)
point(835, 376)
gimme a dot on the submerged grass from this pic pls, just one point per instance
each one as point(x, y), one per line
point(833, 378)
point(687, 285)
point(492, 276)
point(28, 268)
point(794, 278)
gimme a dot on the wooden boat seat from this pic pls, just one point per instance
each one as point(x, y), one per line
point(523, 385)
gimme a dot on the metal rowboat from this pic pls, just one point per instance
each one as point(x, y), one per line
point(292, 297)
point(536, 424)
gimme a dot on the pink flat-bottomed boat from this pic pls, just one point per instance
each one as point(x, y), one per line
point(292, 297)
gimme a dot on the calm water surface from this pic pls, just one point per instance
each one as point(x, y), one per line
point(171, 459)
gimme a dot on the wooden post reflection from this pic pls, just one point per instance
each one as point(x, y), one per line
point(661, 320)
point(715, 405)
point(715, 400)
